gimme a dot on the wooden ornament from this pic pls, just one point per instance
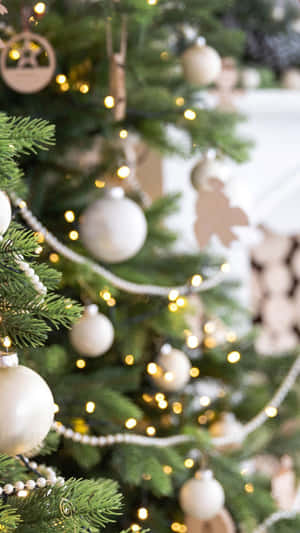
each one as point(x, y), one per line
point(27, 73)
point(222, 523)
point(226, 84)
point(3, 9)
point(215, 216)
point(284, 484)
point(117, 71)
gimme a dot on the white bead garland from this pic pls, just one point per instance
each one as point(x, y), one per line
point(48, 478)
point(116, 281)
point(32, 276)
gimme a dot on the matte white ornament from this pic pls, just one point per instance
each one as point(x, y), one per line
point(208, 168)
point(113, 228)
point(93, 334)
point(5, 212)
point(250, 78)
point(291, 79)
point(201, 64)
point(26, 410)
point(174, 369)
point(202, 497)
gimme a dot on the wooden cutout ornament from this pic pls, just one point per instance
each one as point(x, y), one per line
point(3, 9)
point(284, 484)
point(26, 74)
point(117, 70)
point(215, 215)
point(226, 83)
point(222, 523)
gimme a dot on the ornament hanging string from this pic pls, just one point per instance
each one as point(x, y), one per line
point(116, 281)
point(140, 440)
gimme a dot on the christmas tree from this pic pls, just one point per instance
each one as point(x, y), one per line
point(153, 383)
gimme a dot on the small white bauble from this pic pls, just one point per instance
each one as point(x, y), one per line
point(113, 228)
point(250, 78)
point(209, 168)
point(174, 369)
point(202, 497)
point(291, 79)
point(26, 410)
point(201, 64)
point(93, 334)
point(5, 212)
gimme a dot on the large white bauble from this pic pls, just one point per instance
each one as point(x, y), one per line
point(250, 78)
point(113, 228)
point(207, 169)
point(93, 334)
point(201, 64)
point(291, 79)
point(174, 369)
point(5, 212)
point(26, 410)
point(202, 497)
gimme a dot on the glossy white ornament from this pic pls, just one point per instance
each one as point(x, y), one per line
point(201, 64)
point(291, 79)
point(5, 212)
point(26, 410)
point(202, 497)
point(209, 168)
point(93, 334)
point(250, 78)
point(174, 369)
point(113, 228)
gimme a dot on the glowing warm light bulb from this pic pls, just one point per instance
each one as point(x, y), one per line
point(143, 513)
point(196, 280)
point(14, 54)
point(90, 407)
point(190, 114)
point(249, 488)
point(123, 172)
point(173, 295)
point(173, 307)
point(189, 462)
point(152, 369)
point(7, 342)
point(100, 184)
point(130, 423)
point(205, 401)
point(109, 102)
point(69, 216)
point(180, 101)
point(135, 528)
point(233, 357)
point(60, 79)
point(123, 134)
point(167, 469)
point(152, 2)
point(40, 8)
point(150, 430)
point(84, 88)
point(129, 359)
point(54, 258)
point(106, 295)
point(177, 408)
point(192, 341)
point(194, 372)
point(168, 376)
point(225, 268)
point(231, 336)
point(181, 302)
point(80, 363)
point(64, 87)
point(74, 235)
point(271, 411)
point(56, 408)
point(163, 404)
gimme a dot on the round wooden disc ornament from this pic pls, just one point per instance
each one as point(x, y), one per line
point(27, 63)
point(222, 523)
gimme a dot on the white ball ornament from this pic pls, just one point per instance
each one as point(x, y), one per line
point(113, 228)
point(202, 497)
point(201, 64)
point(209, 168)
point(174, 369)
point(291, 79)
point(26, 410)
point(93, 334)
point(250, 78)
point(5, 212)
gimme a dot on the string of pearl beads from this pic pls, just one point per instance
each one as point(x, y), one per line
point(48, 479)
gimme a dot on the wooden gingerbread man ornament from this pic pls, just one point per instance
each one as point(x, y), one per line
point(222, 523)
point(117, 71)
point(215, 215)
